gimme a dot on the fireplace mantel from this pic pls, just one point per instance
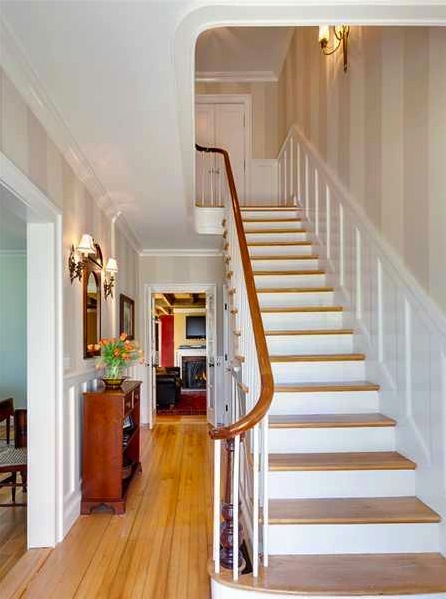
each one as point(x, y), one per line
point(192, 352)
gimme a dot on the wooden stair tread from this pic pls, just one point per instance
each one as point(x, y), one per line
point(330, 420)
point(277, 243)
point(285, 273)
point(296, 290)
point(306, 387)
point(376, 460)
point(297, 219)
point(319, 358)
point(286, 257)
point(370, 510)
point(348, 575)
point(298, 332)
point(268, 208)
point(275, 231)
point(285, 309)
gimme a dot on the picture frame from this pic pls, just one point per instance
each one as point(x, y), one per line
point(127, 316)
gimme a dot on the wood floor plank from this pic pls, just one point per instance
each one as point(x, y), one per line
point(373, 510)
point(159, 548)
point(378, 460)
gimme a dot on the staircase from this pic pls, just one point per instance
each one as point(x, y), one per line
point(343, 516)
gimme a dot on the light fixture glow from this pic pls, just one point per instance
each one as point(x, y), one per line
point(86, 245)
point(341, 33)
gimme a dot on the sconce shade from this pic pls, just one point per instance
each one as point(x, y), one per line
point(86, 245)
point(324, 34)
point(112, 265)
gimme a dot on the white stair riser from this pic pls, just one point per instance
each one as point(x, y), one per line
point(295, 372)
point(309, 344)
point(294, 264)
point(345, 402)
point(306, 298)
point(353, 538)
point(304, 440)
point(341, 483)
point(271, 214)
point(265, 225)
point(268, 237)
point(280, 281)
point(281, 250)
point(302, 320)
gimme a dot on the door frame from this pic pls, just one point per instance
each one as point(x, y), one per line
point(246, 101)
point(149, 410)
point(44, 355)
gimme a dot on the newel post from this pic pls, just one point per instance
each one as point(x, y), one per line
point(227, 512)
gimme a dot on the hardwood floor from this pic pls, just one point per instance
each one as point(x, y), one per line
point(12, 531)
point(158, 549)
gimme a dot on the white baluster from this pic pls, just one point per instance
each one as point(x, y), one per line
point(265, 466)
point(217, 506)
point(235, 500)
point(255, 499)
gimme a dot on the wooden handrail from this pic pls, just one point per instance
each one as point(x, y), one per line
point(266, 376)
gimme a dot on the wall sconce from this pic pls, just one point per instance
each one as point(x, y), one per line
point(341, 33)
point(78, 256)
point(109, 282)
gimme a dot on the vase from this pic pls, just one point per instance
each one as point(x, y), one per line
point(113, 377)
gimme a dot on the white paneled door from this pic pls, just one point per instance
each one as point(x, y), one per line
point(223, 125)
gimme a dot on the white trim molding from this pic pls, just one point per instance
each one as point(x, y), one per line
point(186, 252)
point(236, 76)
point(401, 330)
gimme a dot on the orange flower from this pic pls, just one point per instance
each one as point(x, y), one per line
point(116, 353)
point(123, 336)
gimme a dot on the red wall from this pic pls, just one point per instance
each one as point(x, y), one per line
point(167, 341)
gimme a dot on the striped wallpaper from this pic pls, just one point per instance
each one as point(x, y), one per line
point(382, 128)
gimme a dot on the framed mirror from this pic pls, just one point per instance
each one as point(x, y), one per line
point(92, 303)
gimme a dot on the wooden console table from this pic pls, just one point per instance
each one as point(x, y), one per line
point(110, 452)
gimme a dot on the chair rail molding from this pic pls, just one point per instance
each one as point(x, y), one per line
point(402, 329)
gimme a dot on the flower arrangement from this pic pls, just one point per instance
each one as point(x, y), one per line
point(117, 354)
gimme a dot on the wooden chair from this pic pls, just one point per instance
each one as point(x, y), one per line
point(6, 411)
point(13, 459)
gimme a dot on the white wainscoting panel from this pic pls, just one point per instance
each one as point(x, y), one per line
point(264, 182)
point(74, 385)
point(400, 328)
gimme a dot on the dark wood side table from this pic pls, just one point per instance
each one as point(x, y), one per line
point(110, 448)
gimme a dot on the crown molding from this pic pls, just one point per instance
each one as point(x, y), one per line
point(192, 252)
point(20, 71)
point(236, 76)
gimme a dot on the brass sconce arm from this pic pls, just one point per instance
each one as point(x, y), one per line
point(341, 33)
point(75, 266)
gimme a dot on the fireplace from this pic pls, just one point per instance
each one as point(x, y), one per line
point(194, 372)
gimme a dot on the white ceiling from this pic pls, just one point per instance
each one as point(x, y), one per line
point(252, 51)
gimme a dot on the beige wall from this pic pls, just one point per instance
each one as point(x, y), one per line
point(382, 129)
point(264, 95)
point(179, 327)
point(26, 143)
point(185, 269)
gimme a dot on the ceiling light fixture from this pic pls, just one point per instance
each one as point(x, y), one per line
point(341, 33)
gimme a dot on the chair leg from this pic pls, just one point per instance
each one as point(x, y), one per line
point(24, 481)
point(14, 483)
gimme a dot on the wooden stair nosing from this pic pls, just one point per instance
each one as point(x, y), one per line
point(286, 257)
point(307, 332)
point(296, 290)
point(275, 231)
point(261, 207)
point(342, 461)
point(277, 243)
point(284, 273)
point(326, 387)
point(296, 219)
point(303, 309)
point(354, 357)
point(370, 510)
point(372, 420)
point(346, 575)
